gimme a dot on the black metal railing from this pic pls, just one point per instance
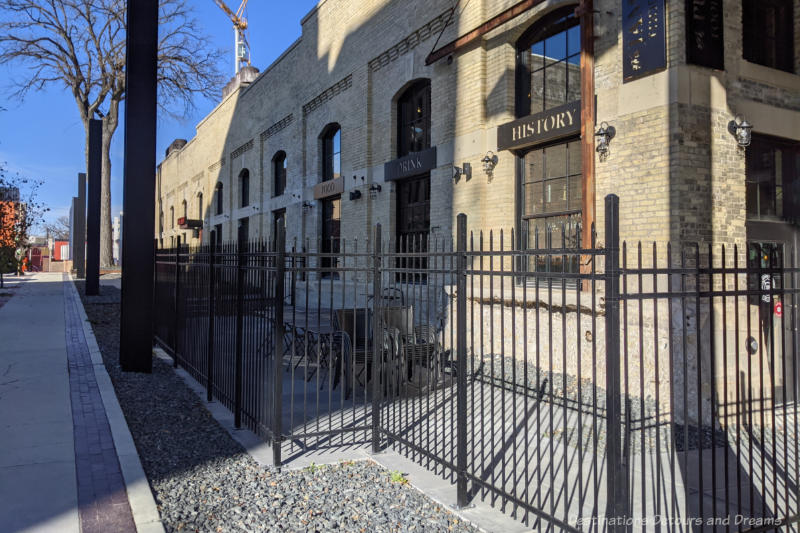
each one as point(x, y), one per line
point(657, 385)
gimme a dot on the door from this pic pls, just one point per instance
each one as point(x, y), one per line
point(413, 225)
point(331, 232)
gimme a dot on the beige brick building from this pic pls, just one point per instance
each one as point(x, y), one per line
point(352, 102)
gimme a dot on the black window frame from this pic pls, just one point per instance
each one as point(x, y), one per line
point(220, 207)
point(561, 19)
point(329, 155)
point(279, 166)
point(244, 188)
point(786, 194)
point(414, 111)
point(765, 44)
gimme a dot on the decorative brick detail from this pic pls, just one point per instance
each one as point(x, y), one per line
point(434, 27)
point(278, 126)
point(217, 165)
point(327, 94)
point(198, 176)
point(246, 147)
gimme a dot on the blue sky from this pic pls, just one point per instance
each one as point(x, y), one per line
point(42, 136)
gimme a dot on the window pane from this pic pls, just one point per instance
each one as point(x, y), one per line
point(533, 198)
point(556, 161)
point(575, 192)
point(574, 40)
point(573, 82)
point(537, 91)
point(533, 165)
point(555, 47)
point(575, 158)
point(555, 85)
point(555, 195)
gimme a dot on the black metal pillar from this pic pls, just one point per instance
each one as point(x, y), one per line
point(617, 476)
point(79, 229)
point(139, 174)
point(377, 341)
point(462, 498)
point(93, 208)
point(277, 338)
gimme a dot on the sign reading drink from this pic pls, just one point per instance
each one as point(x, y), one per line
point(329, 188)
point(704, 33)
point(548, 125)
point(410, 165)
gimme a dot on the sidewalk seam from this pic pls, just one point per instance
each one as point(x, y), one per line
point(140, 497)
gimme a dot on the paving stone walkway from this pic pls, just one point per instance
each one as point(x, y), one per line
point(102, 499)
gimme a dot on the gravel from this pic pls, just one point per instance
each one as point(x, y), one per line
point(204, 481)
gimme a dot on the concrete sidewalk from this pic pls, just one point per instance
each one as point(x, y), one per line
point(67, 460)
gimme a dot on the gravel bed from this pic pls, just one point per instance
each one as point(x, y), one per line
point(204, 481)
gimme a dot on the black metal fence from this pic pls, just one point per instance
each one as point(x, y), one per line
point(581, 389)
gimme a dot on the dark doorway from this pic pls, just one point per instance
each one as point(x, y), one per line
point(413, 225)
point(278, 221)
point(243, 233)
point(331, 232)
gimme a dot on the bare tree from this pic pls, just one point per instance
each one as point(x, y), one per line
point(80, 44)
point(58, 229)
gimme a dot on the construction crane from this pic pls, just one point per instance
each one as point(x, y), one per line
point(241, 52)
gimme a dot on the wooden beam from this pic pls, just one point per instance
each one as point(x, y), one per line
point(585, 12)
point(486, 27)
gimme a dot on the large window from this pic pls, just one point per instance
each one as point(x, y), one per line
point(773, 179)
point(331, 206)
point(548, 63)
point(768, 33)
point(244, 188)
point(220, 202)
point(331, 152)
point(414, 119)
point(279, 173)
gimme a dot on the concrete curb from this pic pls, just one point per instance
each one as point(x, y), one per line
point(140, 497)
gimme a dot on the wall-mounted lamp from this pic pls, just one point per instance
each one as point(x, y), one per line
point(307, 206)
point(742, 130)
point(374, 189)
point(489, 162)
point(464, 170)
point(355, 195)
point(604, 135)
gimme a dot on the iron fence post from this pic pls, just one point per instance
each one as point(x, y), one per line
point(211, 311)
point(277, 337)
point(237, 407)
point(461, 361)
point(175, 320)
point(617, 477)
point(377, 341)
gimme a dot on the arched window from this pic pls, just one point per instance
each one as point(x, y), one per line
point(279, 173)
point(161, 222)
point(331, 152)
point(185, 210)
point(414, 118)
point(200, 206)
point(548, 63)
point(172, 218)
point(220, 204)
point(244, 188)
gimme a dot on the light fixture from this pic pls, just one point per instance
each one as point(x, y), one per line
point(604, 136)
point(374, 189)
point(355, 195)
point(489, 162)
point(741, 129)
point(464, 170)
point(307, 206)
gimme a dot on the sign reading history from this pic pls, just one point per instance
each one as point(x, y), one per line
point(643, 38)
point(329, 188)
point(704, 44)
point(548, 125)
point(410, 165)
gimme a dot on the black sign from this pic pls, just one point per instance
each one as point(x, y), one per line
point(548, 125)
point(704, 44)
point(643, 38)
point(410, 165)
